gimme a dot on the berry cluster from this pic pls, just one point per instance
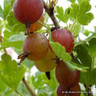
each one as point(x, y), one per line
point(36, 46)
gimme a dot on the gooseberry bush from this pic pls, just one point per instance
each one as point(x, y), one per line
point(46, 36)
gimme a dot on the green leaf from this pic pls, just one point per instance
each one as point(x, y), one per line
point(10, 40)
point(83, 55)
point(59, 50)
point(1, 12)
point(1, 25)
point(11, 19)
point(72, 1)
point(87, 32)
point(17, 27)
point(10, 73)
point(2, 87)
point(12, 1)
point(88, 78)
point(80, 1)
point(7, 33)
point(28, 63)
point(80, 12)
point(44, 86)
point(74, 10)
point(92, 47)
point(63, 16)
point(6, 2)
point(16, 44)
point(6, 10)
point(84, 17)
point(95, 28)
point(76, 30)
point(7, 92)
point(74, 66)
point(20, 37)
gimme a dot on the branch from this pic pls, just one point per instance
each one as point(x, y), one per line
point(29, 88)
point(51, 14)
point(88, 90)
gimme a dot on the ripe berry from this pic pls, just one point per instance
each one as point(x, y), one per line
point(35, 47)
point(28, 11)
point(65, 38)
point(36, 26)
point(47, 63)
point(73, 91)
point(65, 76)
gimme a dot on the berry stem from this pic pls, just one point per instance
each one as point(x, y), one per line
point(43, 24)
point(73, 25)
point(28, 24)
point(51, 14)
point(28, 87)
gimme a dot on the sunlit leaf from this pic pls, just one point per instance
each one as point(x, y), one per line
point(10, 73)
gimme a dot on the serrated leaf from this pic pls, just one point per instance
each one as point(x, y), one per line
point(61, 15)
point(83, 55)
point(74, 10)
point(80, 12)
point(84, 17)
point(59, 50)
point(88, 78)
point(10, 73)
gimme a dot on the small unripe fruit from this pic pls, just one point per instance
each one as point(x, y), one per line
point(65, 76)
point(47, 63)
point(65, 38)
point(73, 91)
point(36, 26)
